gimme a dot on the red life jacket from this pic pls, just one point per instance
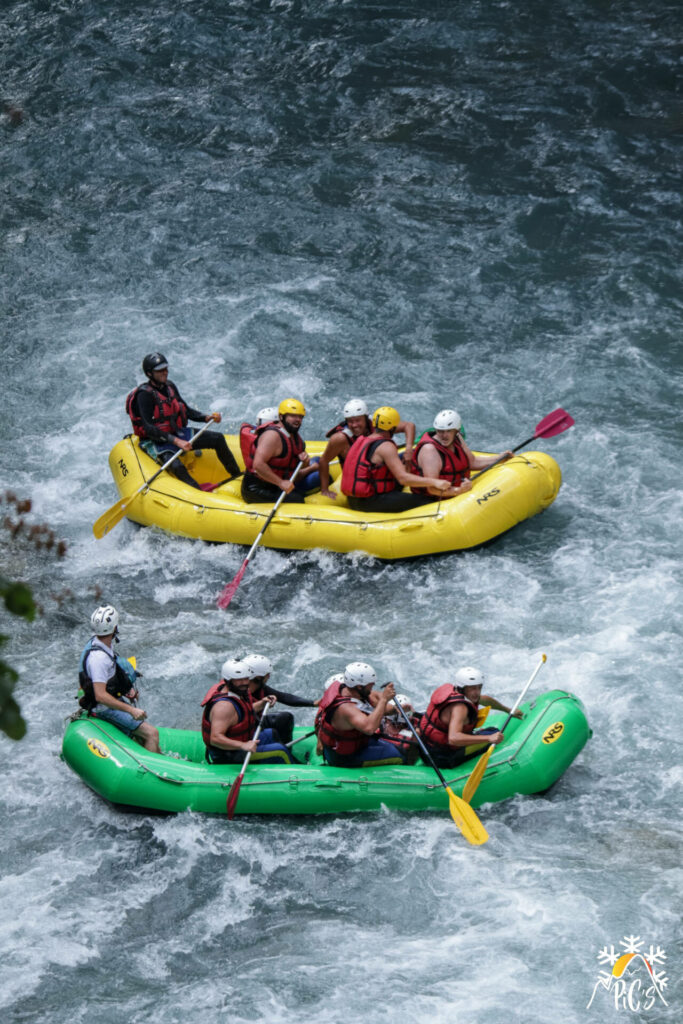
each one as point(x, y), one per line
point(455, 466)
point(361, 478)
point(170, 412)
point(342, 741)
point(284, 464)
point(247, 440)
point(432, 729)
point(243, 729)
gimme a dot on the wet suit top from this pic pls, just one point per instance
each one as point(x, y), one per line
point(288, 699)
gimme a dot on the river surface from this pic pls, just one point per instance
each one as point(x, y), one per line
point(427, 205)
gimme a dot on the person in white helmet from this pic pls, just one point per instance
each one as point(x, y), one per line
point(281, 722)
point(349, 718)
point(443, 452)
point(230, 718)
point(447, 726)
point(109, 682)
point(394, 729)
point(267, 415)
point(356, 423)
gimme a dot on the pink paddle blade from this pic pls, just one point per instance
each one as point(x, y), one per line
point(228, 592)
point(232, 796)
point(554, 423)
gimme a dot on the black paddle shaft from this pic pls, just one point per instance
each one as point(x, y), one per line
point(421, 744)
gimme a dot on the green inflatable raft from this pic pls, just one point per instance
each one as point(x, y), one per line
point(534, 754)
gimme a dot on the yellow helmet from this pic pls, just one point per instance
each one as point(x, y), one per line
point(291, 407)
point(385, 418)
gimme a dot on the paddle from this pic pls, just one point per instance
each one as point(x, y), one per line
point(109, 519)
point(235, 788)
point(292, 743)
point(554, 423)
point(230, 589)
point(475, 778)
point(461, 812)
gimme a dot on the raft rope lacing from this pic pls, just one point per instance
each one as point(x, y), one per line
point(293, 779)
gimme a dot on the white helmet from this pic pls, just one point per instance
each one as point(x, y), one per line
point(355, 407)
point(338, 678)
point(404, 701)
point(104, 620)
point(259, 664)
point(469, 677)
point(447, 419)
point(359, 673)
point(267, 415)
point(235, 669)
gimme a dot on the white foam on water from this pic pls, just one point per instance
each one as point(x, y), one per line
point(304, 227)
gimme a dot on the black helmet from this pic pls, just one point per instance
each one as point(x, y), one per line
point(154, 361)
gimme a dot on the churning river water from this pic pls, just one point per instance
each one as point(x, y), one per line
point(428, 205)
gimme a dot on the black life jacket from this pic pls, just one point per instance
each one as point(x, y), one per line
point(455, 466)
point(121, 682)
point(169, 414)
point(361, 478)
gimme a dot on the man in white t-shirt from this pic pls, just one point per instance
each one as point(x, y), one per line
point(108, 682)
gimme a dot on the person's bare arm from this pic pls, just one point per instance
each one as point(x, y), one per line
point(388, 454)
point(223, 717)
point(336, 446)
point(458, 738)
point(349, 716)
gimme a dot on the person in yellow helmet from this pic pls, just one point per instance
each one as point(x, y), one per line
point(373, 474)
point(276, 450)
point(356, 423)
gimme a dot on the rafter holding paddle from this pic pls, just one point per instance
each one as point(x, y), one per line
point(475, 778)
point(555, 422)
point(235, 788)
point(113, 516)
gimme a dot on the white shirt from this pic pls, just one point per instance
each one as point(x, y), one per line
point(100, 665)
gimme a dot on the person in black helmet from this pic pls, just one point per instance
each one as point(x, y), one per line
point(159, 416)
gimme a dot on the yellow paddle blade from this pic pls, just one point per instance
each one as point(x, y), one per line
point(133, 660)
point(109, 519)
point(466, 820)
point(482, 715)
point(472, 784)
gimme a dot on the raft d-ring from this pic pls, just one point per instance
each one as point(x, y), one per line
point(440, 517)
point(363, 526)
point(200, 509)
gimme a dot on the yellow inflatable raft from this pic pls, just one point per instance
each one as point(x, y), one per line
point(506, 495)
